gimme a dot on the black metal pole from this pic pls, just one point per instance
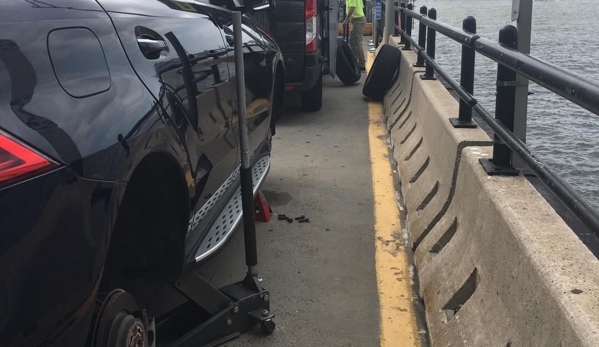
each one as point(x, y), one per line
point(402, 17)
point(247, 193)
point(421, 38)
point(396, 21)
point(379, 24)
point(376, 33)
point(408, 26)
point(466, 78)
point(501, 164)
point(431, 34)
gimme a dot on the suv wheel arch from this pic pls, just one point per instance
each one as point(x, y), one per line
point(148, 238)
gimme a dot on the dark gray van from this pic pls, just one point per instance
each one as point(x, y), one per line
point(306, 32)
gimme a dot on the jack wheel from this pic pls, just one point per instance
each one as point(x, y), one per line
point(267, 327)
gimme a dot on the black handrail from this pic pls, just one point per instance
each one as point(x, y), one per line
point(562, 190)
point(560, 81)
point(464, 95)
point(445, 29)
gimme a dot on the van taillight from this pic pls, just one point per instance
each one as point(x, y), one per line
point(311, 26)
point(18, 162)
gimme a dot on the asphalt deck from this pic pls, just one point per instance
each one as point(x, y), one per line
point(321, 275)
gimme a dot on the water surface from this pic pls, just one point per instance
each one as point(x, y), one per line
point(564, 33)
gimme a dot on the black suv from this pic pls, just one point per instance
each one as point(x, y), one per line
point(118, 152)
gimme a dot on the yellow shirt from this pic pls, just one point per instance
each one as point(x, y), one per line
point(359, 8)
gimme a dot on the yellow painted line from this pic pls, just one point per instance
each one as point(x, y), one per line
point(398, 318)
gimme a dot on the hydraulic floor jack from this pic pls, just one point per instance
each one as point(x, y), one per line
point(238, 307)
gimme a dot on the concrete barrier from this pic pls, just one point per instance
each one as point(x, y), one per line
point(496, 265)
point(397, 100)
point(426, 146)
point(502, 269)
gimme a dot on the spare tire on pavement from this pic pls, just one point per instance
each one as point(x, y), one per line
point(347, 64)
point(383, 73)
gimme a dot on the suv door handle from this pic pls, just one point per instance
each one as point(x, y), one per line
point(151, 48)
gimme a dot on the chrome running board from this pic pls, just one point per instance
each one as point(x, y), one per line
point(231, 215)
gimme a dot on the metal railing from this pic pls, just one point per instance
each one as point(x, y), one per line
point(510, 62)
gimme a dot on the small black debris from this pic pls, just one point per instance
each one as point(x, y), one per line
point(305, 220)
point(576, 291)
point(300, 217)
point(290, 220)
point(282, 217)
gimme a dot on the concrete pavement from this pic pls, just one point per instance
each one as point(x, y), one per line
point(323, 275)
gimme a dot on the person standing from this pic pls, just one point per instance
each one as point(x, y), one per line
point(355, 14)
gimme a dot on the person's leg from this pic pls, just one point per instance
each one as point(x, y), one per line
point(355, 40)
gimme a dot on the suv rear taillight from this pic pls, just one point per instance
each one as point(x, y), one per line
point(311, 26)
point(18, 162)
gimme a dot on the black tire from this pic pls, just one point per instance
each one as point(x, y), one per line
point(262, 19)
point(347, 65)
point(312, 99)
point(383, 73)
point(278, 106)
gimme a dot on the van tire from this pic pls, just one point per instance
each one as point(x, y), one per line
point(312, 98)
point(347, 64)
point(262, 19)
point(383, 73)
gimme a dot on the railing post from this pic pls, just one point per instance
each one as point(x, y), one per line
point(403, 17)
point(408, 21)
point(421, 38)
point(379, 25)
point(376, 19)
point(431, 34)
point(466, 78)
point(396, 20)
point(388, 21)
point(501, 164)
point(522, 14)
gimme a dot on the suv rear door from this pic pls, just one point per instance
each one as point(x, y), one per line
point(179, 53)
